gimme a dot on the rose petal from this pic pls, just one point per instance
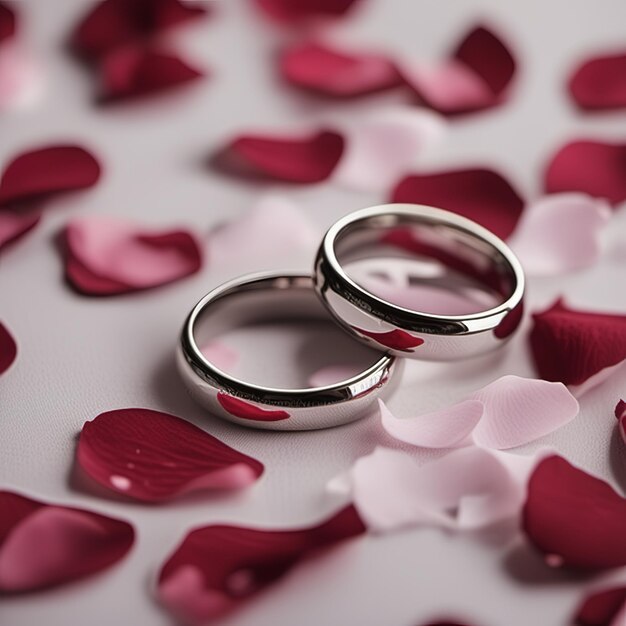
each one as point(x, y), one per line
point(592, 167)
point(248, 411)
point(328, 71)
point(383, 146)
point(481, 195)
point(107, 256)
point(8, 349)
point(570, 345)
point(40, 173)
point(221, 355)
point(519, 410)
point(8, 22)
point(602, 607)
point(560, 233)
point(446, 428)
point(14, 224)
point(303, 159)
point(290, 12)
point(600, 83)
point(217, 568)
point(396, 339)
point(42, 545)
point(475, 77)
point(620, 414)
point(152, 456)
point(114, 23)
point(132, 72)
point(21, 80)
point(575, 519)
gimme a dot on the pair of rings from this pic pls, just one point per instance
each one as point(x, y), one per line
point(403, 230)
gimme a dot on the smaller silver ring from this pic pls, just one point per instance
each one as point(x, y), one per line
point(272, 297)
point(457, 243)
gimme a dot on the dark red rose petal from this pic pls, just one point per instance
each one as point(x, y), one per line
point(600, 83)
point(132, 72)
point(14, 224)
point(108, 256)
point(43, 545)
point(307, 159)
point(329, 72)
point(480, 194)
point(293, 12)
point(601, 607)
point(570, 346)
point(8, 22)
point(620, 414)
point(114, 23)
point(593, 167)
point(395, 339)
point(217, 568)
point(153, 456)
point(575, 519)
point(40, 173)
point(8, 349)
point(245, 410)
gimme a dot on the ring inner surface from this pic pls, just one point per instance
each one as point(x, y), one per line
point(424, 265)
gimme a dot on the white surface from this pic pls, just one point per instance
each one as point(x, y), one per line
point(80, 356)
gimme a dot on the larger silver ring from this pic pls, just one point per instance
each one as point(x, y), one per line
point(456, 242)
point(265, 297)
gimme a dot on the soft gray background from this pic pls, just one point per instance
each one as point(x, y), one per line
point(80, 356)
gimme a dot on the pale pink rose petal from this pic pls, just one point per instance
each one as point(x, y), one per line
point(109, 255)
point(21, 79)
point(333, 374)
point(384, 146)
point(560, 233)
point(518, 410)
point(446, 428)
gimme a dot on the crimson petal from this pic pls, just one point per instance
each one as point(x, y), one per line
point(293, 12)
point(593, 167)
point(396, 339)
point(620, 414)
point(43, 545)
point(216, 568)
point(575, 519)
point(479, 194)
point(331, 72)
point(8, 22)
point(570, 346)
point(8, 349)
point(307, 159)
point(152, 456)
point(601, 607)
point(600, 83)
point(14, 224)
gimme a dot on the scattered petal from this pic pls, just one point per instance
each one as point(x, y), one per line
point(446, 428)
point(475, 77)
point(396, 339)
point(40, 173)
point(43, 545)
point(107, 256)
point(519, 410)
point(8, 22)
point(21, 80)
point(301, 159)
point(560, 233)
point(592, 167)
point(481, 195)
point(600, 83)
point(152, 456)
point(574, 518)
point(333, 374)
point(570, 346)
point(290, 12)
point(248, 411)
point(15, 223)
point(133, 72)
point(386, 145)
point(217, 568)
point(601, 608)
point(328, 71)
point(8, 349)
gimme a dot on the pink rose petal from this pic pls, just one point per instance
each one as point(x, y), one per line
point(519, 410)
point(8, 22)
point(447, 428)
point(571, 346)
point(382, 147)
point(152, 456)
point(248, 411)
point(14, 224)
point(475, 77)
point(21, 80)
point(43, 545)
point(600, 83)
point(328, 71)
point(603, 608)
point(592, 167)
point(8, 349)
point(107, 256)
point(221, 355)
point(290, 12)
point(560, 233)
point(217, 568)
point(574, 518)
point(481, 195)
point(298, 159)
